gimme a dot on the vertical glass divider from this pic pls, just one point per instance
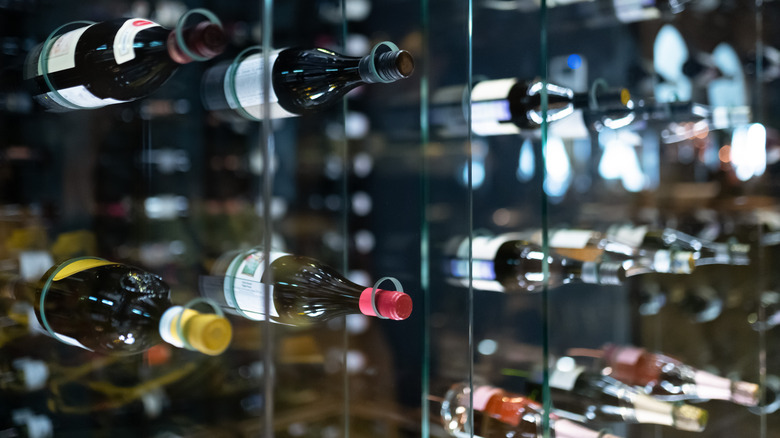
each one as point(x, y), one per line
point(425, 377)
point(547, 403)
point(269, 372)
point(345, 223)
point(760, 117)
point(470, 211)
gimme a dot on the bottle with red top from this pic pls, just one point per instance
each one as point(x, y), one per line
point(500, 414)
point(303, 290)
point(114, 61)
point(670, 379)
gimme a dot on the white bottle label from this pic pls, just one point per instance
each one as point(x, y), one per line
point(248, 83)
point(62, 56)
point(630, 11)
point(62, 52)
point(244, 288)
point(628, 235)
point(125, 38)
point(484, 249)
point(490, 113)
point(565, 380)
point(79, 97)
point(570, 238)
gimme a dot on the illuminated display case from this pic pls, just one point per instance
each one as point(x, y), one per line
point(661, 115)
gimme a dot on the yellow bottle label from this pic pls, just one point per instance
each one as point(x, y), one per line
point(80, 265)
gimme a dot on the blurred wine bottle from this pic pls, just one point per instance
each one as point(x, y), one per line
point(500, 414)
point(705, 251)
point(509, 106)
point(596, 399)
point(116, 309)
point(670, 379)
point(505, 264)
point(591, 245)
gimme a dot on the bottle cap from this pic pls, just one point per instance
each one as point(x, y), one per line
point(201, 42)
point(390, 304)
point(744, 393)
point(688, 417)
point(205, 332)
point(208, 333)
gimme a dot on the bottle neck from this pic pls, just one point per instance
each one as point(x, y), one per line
point(205, 40)
point(386, 67)
point(389, 304)
point(604, 100)
point(607, 273)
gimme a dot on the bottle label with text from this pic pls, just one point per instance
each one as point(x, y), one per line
point(248, 89)
point(243, 286)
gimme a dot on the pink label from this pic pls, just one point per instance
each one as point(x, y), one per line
point(568, 429)
point(482, 395)
point(628, 355)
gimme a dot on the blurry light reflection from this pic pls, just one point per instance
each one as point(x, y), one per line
point(526, 165)
point(558, 168)
point(619, 160)
point(748, 151)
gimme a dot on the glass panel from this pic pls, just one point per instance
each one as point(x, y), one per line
point(448, 182)
point(578, 197)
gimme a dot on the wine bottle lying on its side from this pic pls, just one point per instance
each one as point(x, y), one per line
point(302, 80)
point(114, 62)
point(116, 309)
point(302, 290)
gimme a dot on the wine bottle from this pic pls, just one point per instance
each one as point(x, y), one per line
point(705, 251)
point(114, 62)
point(507, 106)
point(669, 379)
point(302, 80)
point(117, 309)
point(592, 398)
point(500, 414)
point(303, 290)
point(602, 13)
point(590, 245)
point(504, 264)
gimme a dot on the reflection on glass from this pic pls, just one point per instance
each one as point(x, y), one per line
point(619, 160)
point(748, 151)
point(558, 168)
point(669, 54)
point(526, 165)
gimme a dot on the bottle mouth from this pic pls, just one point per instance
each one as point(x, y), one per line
point(386, 63)
point(745, 393)
point(392, 66)
point(395, 305)
point(690, 418)
point(214, 40)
